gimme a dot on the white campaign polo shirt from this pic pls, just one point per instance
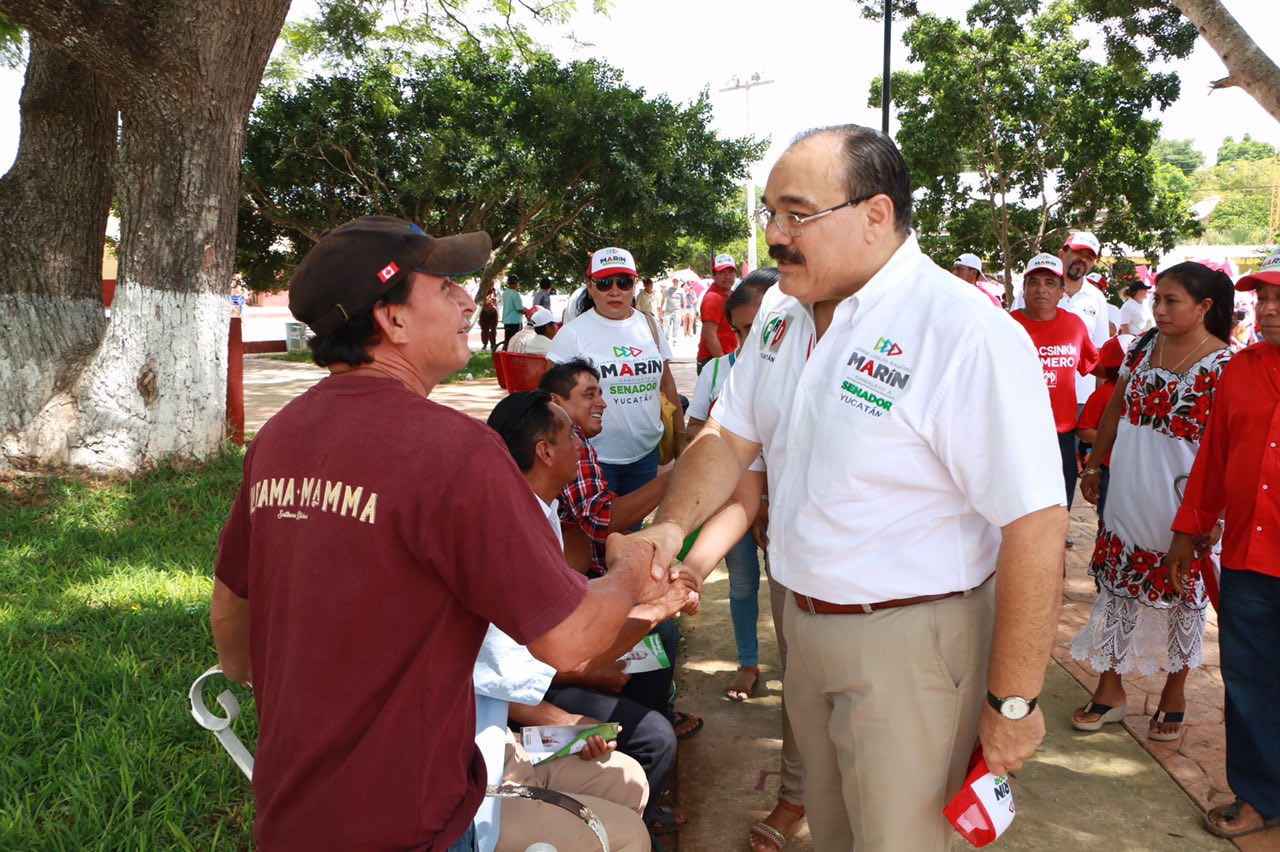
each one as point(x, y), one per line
point(1091, 306)
point(899, 443)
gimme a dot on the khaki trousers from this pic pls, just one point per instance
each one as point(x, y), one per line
point(791, 788)
point(885, 711)
point(613, 787)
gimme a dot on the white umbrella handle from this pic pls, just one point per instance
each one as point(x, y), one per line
point(221, 727)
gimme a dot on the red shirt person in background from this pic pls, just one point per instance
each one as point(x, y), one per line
point(1237, 472)
point(1110, 357)
point(717, 335)
point(1063, 343)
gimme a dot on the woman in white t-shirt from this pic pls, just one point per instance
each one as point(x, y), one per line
point(633, 358)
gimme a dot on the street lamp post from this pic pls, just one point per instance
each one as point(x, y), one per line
point(746, 86)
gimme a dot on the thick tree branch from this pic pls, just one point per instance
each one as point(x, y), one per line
point(1251, 69)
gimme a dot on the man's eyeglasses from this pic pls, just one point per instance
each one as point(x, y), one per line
point(789, 224)
point(622, 282)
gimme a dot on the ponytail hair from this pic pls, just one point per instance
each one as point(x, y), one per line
point(1203, 283)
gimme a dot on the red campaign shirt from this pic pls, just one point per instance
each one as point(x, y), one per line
point(1238, 466)
point(587, 502)
point(1065, 348)
point(365, 540)
point(713, 311)
point(1091, 415)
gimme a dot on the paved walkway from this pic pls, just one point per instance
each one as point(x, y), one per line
point(1100, 789)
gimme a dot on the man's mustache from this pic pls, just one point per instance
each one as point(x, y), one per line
point(785, 254)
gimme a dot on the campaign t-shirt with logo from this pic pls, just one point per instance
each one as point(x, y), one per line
point(1065, 351)
point(364, 537)
point(630, 362)
point(713, 311)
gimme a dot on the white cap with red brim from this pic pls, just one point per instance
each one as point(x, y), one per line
point(1046, 261)
point(723, 261)
point(1268, 274)
point(612, 261)
point(1084, 240)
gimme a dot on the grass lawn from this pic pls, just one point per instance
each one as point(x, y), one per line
point(480, 366)
point(104, 621)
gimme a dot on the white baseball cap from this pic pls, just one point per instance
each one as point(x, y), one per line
point(612, 261)
point(1268, 274)
point(970, 260)
point(541, 316)
point(723, 261)
point(1084, 240)
point(1044, 260)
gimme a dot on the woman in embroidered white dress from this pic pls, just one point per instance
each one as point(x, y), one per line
point(1153, 425)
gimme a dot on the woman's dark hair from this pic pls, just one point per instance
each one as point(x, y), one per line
point(1202, 283)
point(349, 343)
point(751, 289)
point(585, 302)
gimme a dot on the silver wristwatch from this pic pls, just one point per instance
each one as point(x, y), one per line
point(1014, 707)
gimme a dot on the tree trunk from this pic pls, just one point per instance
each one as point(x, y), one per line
point(54, 203)
point(156, 384)
point(1250, 68)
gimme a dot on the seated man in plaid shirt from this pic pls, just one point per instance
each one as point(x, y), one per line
point(589, 510)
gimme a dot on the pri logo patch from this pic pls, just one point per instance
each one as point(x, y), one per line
point(773, 332)
point(885, 346)
point(627, 352)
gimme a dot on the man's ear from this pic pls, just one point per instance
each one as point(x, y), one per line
point(542, 451)
point(558, 399)
point(389, 319)
point(879, 214)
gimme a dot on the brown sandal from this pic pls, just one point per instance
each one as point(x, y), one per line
point(737, 691)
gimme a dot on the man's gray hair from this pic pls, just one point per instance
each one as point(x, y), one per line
point(873, 165)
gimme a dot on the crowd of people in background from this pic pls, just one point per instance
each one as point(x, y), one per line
point(501, 575)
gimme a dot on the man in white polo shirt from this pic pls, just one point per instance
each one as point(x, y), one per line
point(1085, 300)
point(864, 376)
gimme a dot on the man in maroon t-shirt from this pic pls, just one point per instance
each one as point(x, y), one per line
point(717, 335)
point(1063, 343)
point(360, 567)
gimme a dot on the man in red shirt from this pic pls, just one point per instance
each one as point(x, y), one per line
point(375, 536)
point(1232, 493)
point(1065, 349)
point(717, 335)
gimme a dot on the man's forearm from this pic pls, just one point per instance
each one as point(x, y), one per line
point(704, 479)
point(631, 509)
point(727, 526)
point(229, 618)
point(711, 338)
point(542, 713)
point(1028, 595)
point(590, 629)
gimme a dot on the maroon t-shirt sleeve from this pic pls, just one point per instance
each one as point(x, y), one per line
point(232, 563)
point(513, 576)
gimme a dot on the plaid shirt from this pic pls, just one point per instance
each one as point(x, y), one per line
point(588, 503)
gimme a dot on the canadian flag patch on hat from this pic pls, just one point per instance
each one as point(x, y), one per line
point(983, 809)
point(388, 272)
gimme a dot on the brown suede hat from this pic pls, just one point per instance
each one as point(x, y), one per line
point(349, 269)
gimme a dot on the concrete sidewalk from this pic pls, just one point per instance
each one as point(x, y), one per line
point(1109, 789)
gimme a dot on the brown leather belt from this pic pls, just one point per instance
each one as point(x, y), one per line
point(818, 607)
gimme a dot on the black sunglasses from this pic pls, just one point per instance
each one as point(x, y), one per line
point(623, 283)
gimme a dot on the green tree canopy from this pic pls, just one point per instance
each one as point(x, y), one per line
point(553, 160)
point(1243, 214)
point(1247, 148)
point(1181, 153)
point(1015, 138)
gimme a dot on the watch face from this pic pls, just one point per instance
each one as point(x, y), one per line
point(1014, 708)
